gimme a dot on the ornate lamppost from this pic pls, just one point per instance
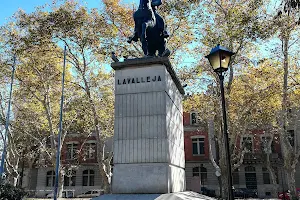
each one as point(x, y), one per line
point(219, 58)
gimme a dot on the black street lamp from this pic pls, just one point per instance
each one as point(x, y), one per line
point(219, 59)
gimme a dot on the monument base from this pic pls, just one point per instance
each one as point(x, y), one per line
point(171, 196)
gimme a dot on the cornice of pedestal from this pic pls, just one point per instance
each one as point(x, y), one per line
point(146, 61)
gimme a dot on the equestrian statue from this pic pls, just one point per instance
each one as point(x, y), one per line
point(150, 29)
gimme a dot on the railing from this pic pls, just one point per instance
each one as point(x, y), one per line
point(260, 157)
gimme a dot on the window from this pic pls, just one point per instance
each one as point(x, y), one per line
point(71, 151)
point(290, 113)
point(89, 150)
point(236, 177)
point(247, 143)
point(50, 178)
point(250, 177)
point(70, 178)
point(198, 146)
point(88, 178)
point(268, 194)
point(266, 176)
point(194, 118)
point(203, 174)
point(291, 137)
point(264, 144)
point(200, 171)
point(196, 171)
point(249, 169)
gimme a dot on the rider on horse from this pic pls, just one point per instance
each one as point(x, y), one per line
point(150, 29)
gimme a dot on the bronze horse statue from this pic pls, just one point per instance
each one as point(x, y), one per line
point(150, 29)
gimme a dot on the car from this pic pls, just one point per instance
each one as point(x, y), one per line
point(244, 193)
point(286, 196)
point(50, 195)
point(91, 193)
point(208, 192)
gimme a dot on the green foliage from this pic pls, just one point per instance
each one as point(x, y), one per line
point(9, 192)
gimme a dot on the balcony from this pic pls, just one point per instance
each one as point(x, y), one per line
point(251, 158)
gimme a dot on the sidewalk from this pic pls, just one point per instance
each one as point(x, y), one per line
point(58, 199)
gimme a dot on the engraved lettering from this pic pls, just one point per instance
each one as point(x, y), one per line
point(130, 80)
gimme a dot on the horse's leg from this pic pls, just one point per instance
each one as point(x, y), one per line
point(144, 29)
point(147, 24)
point(161, 47)
point(134, 37)
point(162, 50)
point(144, 44)
point(151, 48)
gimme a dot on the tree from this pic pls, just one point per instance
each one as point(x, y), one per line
point(287, 20)
point(235, 25)
point(254, 102)
point(86, 35)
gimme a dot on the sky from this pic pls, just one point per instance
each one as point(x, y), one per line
point(9, 7)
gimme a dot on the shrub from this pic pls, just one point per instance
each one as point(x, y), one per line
point(9, 192)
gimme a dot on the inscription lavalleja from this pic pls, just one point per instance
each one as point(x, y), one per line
point(138, 80)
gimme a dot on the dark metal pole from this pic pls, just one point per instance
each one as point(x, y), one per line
point(60, 128)
point(282, 184)
point(230, 188)
point(22, 172)
point(2, 168)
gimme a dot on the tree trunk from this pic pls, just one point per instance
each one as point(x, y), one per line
point(224, 184)
point(47, 110)
point(60, 184)
point(290, 177)
point(105, 174)
point(213, 160)
point(286, 148)
point(15, 180)
point(273, 179)
point(285, 80)
point(224, 172)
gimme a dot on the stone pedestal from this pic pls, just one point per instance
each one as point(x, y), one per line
point(148, 137)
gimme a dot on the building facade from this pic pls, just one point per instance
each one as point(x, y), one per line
point(252, 173)
point(79, 160)
point(200, 173)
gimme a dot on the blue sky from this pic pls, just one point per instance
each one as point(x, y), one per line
point(9, 7)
